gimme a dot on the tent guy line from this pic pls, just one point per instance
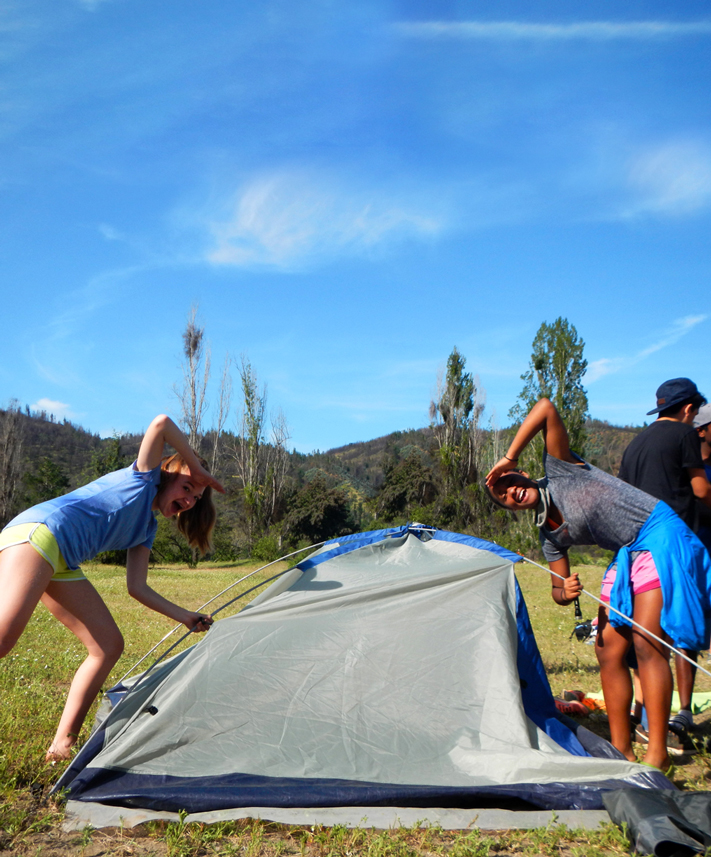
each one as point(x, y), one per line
point(628, 618)
point(320, 544)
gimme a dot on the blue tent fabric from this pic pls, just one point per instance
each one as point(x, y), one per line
point(87, 780)
point(203, 794)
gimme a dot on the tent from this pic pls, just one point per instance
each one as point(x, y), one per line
point(394, 668)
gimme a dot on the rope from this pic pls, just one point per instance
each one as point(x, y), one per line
point(636, 624)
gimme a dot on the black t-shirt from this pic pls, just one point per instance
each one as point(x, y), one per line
point(657, 461)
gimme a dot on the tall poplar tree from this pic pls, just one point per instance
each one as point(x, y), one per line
point(454, 416)
point(261, 458)
point(196, 374)
point(555, 372)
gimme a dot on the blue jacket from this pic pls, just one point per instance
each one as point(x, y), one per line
point(684, 569)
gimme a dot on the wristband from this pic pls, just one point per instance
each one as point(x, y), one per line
point(512, 460)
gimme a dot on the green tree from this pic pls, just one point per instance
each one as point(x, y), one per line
point(555, 372)
point(46, 481)
point(318, 513)
point(454, 416)
point(106, 458)
point(261, 458)
point(409, 484)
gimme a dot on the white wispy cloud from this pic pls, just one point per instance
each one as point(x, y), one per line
point(61, 410)
point(290, 219)
point(110, 233)
point(670, 179)
point(609, 365)
point(521, 30)
point(51, 357)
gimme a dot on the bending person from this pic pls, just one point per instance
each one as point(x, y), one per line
point(41, 551)
point(661, 575)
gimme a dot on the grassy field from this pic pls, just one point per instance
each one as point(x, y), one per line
point(35, 676)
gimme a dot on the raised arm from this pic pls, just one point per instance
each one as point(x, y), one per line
point(543, 417)
point(163, 430)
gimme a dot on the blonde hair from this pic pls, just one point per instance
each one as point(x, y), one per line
point(198, 522)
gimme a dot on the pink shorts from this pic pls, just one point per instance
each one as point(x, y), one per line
point(643, 575)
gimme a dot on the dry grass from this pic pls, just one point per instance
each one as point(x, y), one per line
point(34, 678)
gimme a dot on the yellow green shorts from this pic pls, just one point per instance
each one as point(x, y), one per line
point(46, 546)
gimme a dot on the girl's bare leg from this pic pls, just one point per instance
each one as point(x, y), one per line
point(655, 675)
point(611, 647)
point(80, 608)
point(24, 576)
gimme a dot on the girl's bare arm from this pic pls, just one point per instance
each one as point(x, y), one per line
point(543, 417)
point(138, 588)
point(163, 430)
point(565, 591)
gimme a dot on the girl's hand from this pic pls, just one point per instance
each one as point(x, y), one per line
point(503, 465)
point(198, 622)
point(572, 587)
point(200, 477)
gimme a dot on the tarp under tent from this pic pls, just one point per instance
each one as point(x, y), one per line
point(394, 668)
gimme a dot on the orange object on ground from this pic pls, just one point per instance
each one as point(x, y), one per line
point(571, 707)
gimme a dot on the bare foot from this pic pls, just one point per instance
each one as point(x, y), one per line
point(663, 764)
point(53, 755)
point(60, 751)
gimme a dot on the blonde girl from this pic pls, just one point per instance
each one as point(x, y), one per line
point(41, 551)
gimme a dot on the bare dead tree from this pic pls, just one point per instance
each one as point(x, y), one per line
point(224, 402)
point(11, 437)
point(261, 464)
point(196, 374)
point(277, 466)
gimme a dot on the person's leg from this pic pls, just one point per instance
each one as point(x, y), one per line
point(80, 608)
point(638, 696)
point(654, 673)
point(24, 576)
point(611, 647)
point(685, 676)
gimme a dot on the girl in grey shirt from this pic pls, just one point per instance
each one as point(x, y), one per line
point(577, 504)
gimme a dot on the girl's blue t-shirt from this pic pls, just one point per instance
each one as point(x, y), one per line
point(111, 513)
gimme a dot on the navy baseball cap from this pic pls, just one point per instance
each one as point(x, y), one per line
point(673, 393)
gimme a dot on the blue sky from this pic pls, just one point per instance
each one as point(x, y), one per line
point(347, 191)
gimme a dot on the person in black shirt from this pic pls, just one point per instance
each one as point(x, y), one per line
point(665, 461)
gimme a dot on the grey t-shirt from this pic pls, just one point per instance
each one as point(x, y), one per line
point(597, 508)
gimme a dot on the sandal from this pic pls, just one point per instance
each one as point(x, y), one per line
point(668, 772)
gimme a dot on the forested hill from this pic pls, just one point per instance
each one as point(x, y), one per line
point(297, 499)
point(75, 454)
point(606, 443)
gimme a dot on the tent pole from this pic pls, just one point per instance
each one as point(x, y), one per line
point(631, 621)
point(188, 633)
point(226, 589)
